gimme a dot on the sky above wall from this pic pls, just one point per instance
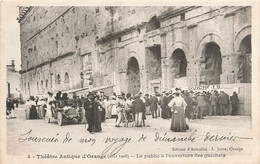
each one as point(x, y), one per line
point(11, 42)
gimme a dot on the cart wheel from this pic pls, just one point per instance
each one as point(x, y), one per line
point(47, 119)
point(59, 119)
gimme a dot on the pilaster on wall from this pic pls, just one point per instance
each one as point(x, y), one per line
point(164, 62)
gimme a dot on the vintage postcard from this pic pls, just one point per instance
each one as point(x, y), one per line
point(130, 82)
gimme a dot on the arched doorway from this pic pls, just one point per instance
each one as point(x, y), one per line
point(133, 76)
point(245, 69)
point(212, 64)
point(178, 64)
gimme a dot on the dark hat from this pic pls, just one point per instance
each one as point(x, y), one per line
point(176, 93)
point(90, 94)
point(49, 93)
point(128, 95)
point(64, 96)
point(32, 98)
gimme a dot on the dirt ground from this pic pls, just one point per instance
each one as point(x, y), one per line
point(74, 139)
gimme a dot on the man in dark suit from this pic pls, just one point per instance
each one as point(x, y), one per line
point(164, 105)
point(139, 108)
point(154, 105)
point(89, 111)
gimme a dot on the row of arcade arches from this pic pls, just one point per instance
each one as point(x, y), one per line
point(212, 61)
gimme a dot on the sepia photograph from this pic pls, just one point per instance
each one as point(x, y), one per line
point(121, 83)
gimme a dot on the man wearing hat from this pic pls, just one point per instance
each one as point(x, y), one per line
point(164, 105)
point(223, 103)
point(139, 108)
point(147, 104)
point(154, 107)
point(201, 105)
point(89, 111)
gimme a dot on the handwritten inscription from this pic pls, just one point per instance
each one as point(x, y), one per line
point(210, 137)
point(116, 145)
point(27, 137)
point(164, 138)
point(113, 145)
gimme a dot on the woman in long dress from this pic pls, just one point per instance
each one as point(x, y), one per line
point(32, 106)
point(178, 106)
point(97, 115)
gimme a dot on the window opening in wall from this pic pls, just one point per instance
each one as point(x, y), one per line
point(81, 79)
point(42, 85)
point(183, 17)
point(37, 87)
point(66, 80)
point(46, 83)
point(58, 79)
point(153, 24)
point(97, 10)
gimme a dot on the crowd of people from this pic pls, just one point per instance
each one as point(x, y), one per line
point(180, 106)
point(11, 104)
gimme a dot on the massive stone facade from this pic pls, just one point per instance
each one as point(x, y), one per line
point(131, 49)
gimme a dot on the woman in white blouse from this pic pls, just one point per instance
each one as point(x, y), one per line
point(178, 105)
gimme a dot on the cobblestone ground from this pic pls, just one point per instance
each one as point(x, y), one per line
point(211, 125)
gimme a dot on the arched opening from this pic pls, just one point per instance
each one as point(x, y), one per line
point(212, 65)
point(133, 76)
point(66, 80)
point(58, 79)
point(42, 88)
point(46, 84)
point(81, 80)
point(153, 24)
point(178, 64)
point(245, 68)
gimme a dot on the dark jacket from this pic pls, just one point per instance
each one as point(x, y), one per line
point(164, 101)
point(222, 99)
point(138, 105)
point(89, 108)
point(147, 101)
point(201, 102)
point(154, 102)
point(234, 99)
